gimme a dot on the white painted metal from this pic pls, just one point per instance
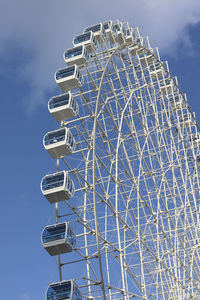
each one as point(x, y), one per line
point(86, 39)
point(63, 107)
point(119, 32)
point(98, 32)
point(77, 55)
point(186, 119)
point(137, 46)
point(146, 59)
point(59, 143)
point(177, 102)
point(136, 176)
point(68, 78)
point(108, 30)
point(156, 70)
point(128, 33)
point(66, 290)
point(194, 139)
point(59, 189)
point(59, 242)
point(166, 86)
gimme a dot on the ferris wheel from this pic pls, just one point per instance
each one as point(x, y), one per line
point(126, 180)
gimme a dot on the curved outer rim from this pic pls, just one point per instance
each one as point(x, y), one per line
point(94, 143)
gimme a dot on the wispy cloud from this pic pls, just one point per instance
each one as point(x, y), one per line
point(43, 29)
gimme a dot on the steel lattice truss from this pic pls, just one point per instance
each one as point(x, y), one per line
point(136, 173)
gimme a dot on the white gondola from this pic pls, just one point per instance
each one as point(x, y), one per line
point(146, 58)
point(194, 139)
point(186, 120)
point(76, 56)
point(63, 290)
point(176, 102)
point(166, 86)
point(108, 30)
point(137, 48)
point(63, 107)
point(59, 143)
point(57, 187)
point(98, 31)
point(69, 78)
point(129, 36)
point(119, 33)
point(87, 39)
point(58, 239)
point(156, 70)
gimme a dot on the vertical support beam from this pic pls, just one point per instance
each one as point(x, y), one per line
point(57, 218)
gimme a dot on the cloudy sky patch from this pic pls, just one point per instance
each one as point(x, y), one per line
point(44, 29)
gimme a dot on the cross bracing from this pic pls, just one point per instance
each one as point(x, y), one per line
point(136, 174)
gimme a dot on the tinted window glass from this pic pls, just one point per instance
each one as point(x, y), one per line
point(59, 101)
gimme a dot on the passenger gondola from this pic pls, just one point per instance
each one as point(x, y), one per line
point(137, 48)
point(156, 70)
point(77, 55)
point(59, 143)
point(63, 107)
point(166, 86)
point(129, 36)
point(69, 78)
point(57, 187)
point(98, 31)
point(87, 39)
point(108, 30)
point(186, 120)
point(63, 290)
point(176, 102)
point(58, 239)
point(119, 33)
point(146, 58)
point(194, 139)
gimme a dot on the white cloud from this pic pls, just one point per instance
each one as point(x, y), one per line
point(46, 27)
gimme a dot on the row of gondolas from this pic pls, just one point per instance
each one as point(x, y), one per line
point(60, 238)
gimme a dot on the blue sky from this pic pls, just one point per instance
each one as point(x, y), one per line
point(34, 35)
